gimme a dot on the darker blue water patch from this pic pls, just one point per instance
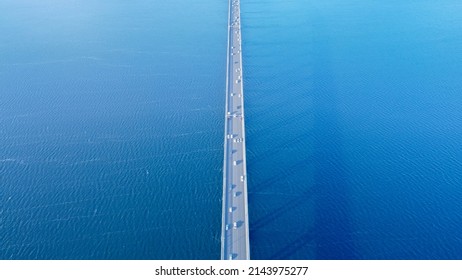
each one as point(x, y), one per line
point(354, 127)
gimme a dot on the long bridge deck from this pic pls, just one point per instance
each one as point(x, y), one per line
point(235, 226)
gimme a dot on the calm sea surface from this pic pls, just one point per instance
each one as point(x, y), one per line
point(354, 128)
point(111, 128)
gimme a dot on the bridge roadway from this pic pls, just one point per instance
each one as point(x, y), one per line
point(235, 226)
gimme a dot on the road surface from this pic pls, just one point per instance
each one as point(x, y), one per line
point(235, 226)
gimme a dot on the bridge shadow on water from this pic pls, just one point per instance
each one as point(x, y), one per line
point(333, 227)
point(316, 222)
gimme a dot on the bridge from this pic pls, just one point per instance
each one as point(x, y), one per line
point(235, 222)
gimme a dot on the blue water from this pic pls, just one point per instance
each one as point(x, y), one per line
point(354, 128)
point(111, 128)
